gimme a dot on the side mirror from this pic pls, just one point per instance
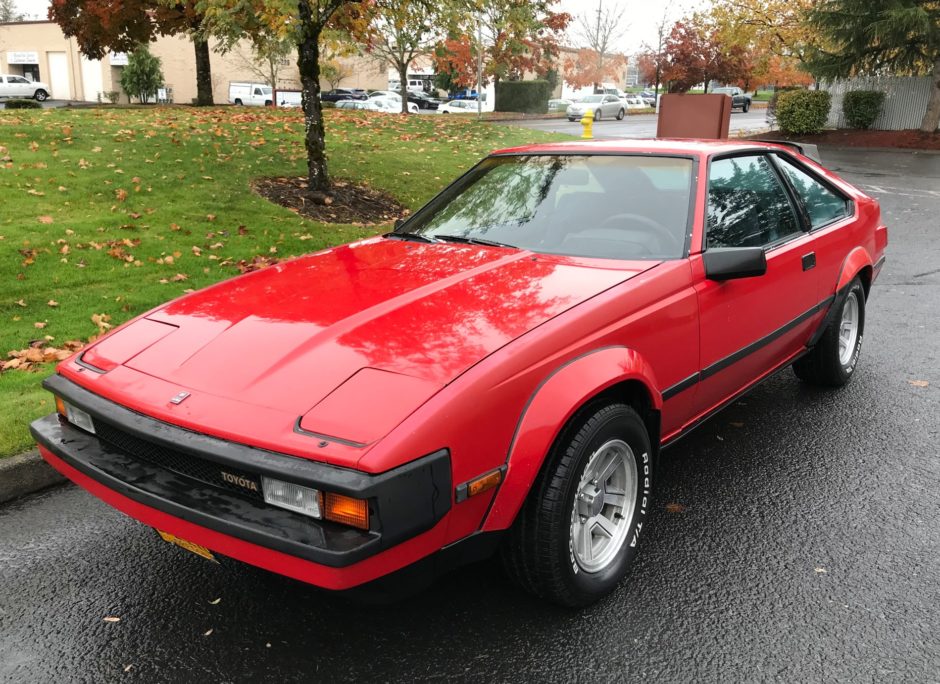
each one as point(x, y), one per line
point(734, 262)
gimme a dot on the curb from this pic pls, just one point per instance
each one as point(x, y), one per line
point(24, 474)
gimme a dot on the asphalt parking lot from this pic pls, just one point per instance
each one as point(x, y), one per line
point(795, 537)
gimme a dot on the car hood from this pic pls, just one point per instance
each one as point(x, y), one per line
point(286, 336)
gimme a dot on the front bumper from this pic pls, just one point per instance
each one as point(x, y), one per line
point(404, 502)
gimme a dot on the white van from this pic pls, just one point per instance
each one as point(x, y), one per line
point(250, 94)
point(416, 85)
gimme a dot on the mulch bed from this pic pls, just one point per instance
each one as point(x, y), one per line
point(344, 203)
point(911, 139)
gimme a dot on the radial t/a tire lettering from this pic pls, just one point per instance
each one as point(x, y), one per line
point(577, 533)
point(832, 362)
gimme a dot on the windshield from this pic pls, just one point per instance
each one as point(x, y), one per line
point(618, 207)
point(266, 90)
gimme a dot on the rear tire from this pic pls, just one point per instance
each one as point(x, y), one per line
point(238, 101)
point(41, 95)
point(832, 362)
point(576, 535)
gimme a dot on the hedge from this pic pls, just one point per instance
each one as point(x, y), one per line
point(803, 112)
point(23, 104)
point(862, 107)
point(530, 97)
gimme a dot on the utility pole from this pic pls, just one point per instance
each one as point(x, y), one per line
point(597, 40)
point(480, 68)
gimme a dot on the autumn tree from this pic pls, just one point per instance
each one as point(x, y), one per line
point(598, 30)
point(694, 53)
point(774, 34)
point(303, 22)
point(901, 37)
point(399, 31)
point(652, 60)
point(591, 68)
point(455, 63)
point(100, 26)
point(266, 60)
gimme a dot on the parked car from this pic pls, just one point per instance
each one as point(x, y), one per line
point(634, 102)
point(392, 103)
point(601, 105)
point(498, 374)
point(558, 105)
point(365, 105)
point(739, 99)
point(12, 85)
point(339, 94)
point(649, 97)
point(424, 101)
point(250, 94)
point(458, 107)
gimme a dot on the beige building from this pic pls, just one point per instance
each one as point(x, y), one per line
point(38, 50)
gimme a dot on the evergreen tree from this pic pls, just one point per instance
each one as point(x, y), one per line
point(899, 36)
point(142, 75)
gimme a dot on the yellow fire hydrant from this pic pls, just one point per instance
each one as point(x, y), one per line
point(588, 122)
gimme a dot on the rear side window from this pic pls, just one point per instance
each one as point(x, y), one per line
point(822, 204)
point(747, 205)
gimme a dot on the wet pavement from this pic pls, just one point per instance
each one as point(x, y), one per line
point(802, 542)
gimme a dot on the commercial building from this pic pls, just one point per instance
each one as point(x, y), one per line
point(39, 51)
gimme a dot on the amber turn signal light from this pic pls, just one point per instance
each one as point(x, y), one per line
point(346, 510)
point(481, 484)
point(60, 408)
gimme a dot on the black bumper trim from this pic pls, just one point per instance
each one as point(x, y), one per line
point(404, 502)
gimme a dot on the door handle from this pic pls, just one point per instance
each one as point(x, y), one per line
point(809, 261)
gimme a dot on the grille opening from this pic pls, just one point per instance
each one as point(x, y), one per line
point(177, 461)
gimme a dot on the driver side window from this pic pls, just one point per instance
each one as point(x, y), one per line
point(747, 205)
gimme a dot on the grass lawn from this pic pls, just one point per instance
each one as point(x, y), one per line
point(114, 211)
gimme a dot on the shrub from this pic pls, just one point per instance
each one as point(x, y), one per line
point(803, 112)
point(23, 104)
point(530, 97)
point(862, 107)
point(772, 105)
point(113, 96)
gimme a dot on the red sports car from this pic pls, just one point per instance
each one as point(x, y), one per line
point(499, 373)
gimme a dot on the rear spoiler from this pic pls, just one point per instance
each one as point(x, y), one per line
point(806, 149)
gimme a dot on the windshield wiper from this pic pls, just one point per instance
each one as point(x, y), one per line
point(473, 241)
point(413, 237)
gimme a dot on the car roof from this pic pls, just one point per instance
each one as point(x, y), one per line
point(681, 146)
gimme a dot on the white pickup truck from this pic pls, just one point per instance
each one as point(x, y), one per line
point(250, 94)
point(12, 85)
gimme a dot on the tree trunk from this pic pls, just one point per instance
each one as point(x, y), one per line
point(308, 62)
point(203, 73)
point(931, 118)
point(403, 85)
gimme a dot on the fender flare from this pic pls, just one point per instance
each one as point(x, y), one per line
point(550, 407)
point(858, 259)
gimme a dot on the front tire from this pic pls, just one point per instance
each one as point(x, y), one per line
point(597, 115)
point(576, 535)
point(41, 95)
point(832, 362)
point(620, 115)
point(745, 107)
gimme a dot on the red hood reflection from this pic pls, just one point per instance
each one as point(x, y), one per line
point(286, 336)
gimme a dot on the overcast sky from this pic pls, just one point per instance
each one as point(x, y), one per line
point(639, 19)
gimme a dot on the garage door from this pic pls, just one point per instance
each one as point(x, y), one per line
point(92, 81)
point(59, 76)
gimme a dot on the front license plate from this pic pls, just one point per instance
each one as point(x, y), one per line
point(188, 545)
